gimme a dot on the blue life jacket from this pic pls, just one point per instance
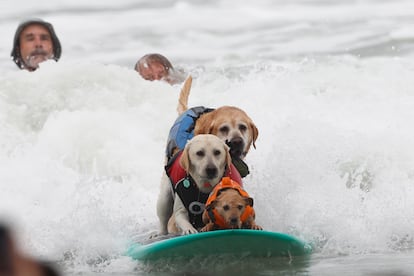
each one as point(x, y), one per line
point(183, 129)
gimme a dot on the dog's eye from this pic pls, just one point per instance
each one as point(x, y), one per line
point(226, 207)
point(242, 128)
point(240, 207)
point(200, 153)
point(224, 129)
point(216, 152)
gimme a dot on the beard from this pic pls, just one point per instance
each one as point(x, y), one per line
point(37, 56)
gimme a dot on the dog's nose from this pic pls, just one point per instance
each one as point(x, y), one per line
point(234, 222)
point(236, 146)
point(236, 143)
point(211, 171)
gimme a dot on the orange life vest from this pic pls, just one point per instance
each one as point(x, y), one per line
point(215, 217)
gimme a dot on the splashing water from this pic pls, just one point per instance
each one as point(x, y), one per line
point(82, 140)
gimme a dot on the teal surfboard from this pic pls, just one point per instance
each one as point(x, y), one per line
point(238, 243)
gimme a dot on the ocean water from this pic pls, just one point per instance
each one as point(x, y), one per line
point(329, 85)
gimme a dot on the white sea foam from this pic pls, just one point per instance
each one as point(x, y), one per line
point(82, 140)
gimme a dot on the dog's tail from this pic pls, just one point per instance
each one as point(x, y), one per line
point(185, 92)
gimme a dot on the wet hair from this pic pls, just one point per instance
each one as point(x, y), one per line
point(15, 53)
point(154, 58)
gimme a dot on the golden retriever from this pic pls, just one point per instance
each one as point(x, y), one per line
point(232, 125)
point(229, 123)
point(229, 207)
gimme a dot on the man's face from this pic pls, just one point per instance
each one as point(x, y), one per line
point(36, 45)
point(153, 71)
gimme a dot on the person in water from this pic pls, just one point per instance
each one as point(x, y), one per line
point(14, 263)
point(157, 67)
point(35, 41)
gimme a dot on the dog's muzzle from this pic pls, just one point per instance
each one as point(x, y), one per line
point(236, 146)
point(211, 172)
point(234, 223)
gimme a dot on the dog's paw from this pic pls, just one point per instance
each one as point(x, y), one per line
point(257, 227)
point(189, 231)
point(154, 235)
point(208, 227)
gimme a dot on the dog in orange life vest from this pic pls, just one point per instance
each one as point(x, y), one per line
point(229, 207)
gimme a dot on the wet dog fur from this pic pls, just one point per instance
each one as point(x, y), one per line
point(205, 158)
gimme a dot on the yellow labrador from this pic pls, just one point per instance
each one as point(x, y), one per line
point(204, 161)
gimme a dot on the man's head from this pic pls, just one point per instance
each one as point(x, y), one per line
point(154, 67)
point(34, 42)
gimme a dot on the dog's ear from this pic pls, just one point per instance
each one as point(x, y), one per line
point(228, 156)
point(255, 133)
point(208, 215)
point(212, 205)
point(249, 201)
point(185, 159)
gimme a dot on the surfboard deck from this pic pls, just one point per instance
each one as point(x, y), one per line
point(237, 243)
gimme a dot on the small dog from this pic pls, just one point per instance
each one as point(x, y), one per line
point(229, 207)
point(192, 176)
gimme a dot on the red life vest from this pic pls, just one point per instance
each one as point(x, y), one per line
point(215, 217)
